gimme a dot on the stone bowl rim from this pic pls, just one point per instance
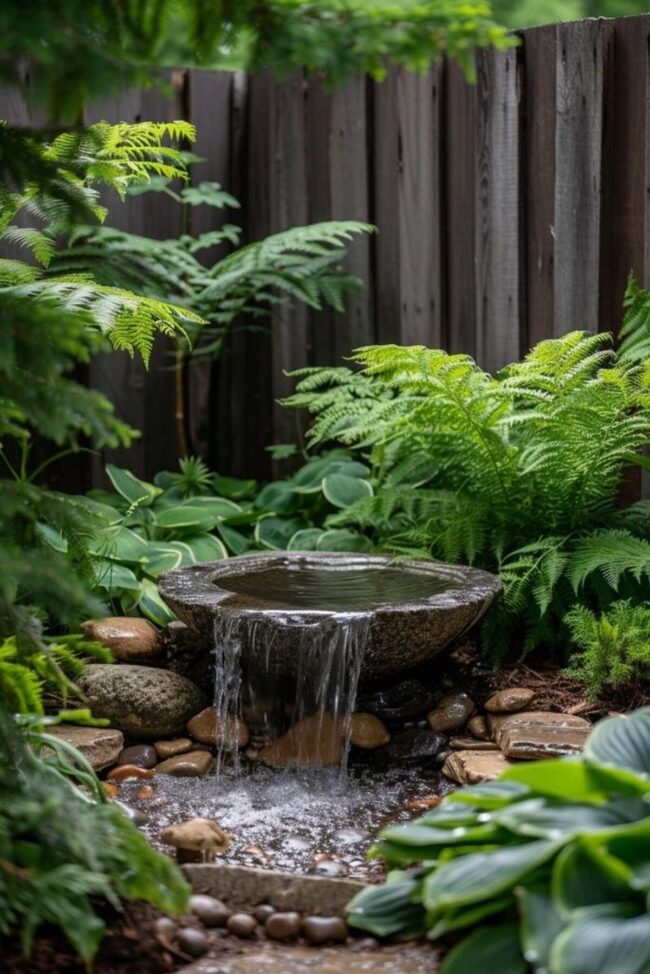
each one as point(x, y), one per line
point(474, 585)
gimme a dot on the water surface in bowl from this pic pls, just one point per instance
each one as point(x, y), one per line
point(332, 589)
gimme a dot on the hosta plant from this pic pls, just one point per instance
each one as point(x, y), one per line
point(518, 473)
point(544, 871)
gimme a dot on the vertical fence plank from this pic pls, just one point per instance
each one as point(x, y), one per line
point(348, 167)
point(408, 207)
point(290, 336)
point(460, 169)
point(209, 103)
point(539, 83)
point(578, 143)
point(498, 244)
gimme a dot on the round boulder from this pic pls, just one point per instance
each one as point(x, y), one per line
point(141, 701)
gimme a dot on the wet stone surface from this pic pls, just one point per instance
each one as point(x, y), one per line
point(273, 958)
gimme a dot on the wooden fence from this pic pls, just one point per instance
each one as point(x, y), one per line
point(508, 211)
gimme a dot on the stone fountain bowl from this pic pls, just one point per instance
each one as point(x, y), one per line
point(415, 608)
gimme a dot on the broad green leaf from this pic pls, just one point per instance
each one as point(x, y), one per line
point(221, 507)
point(276, 532)
point(123, 544)
point(493, 949)
point(389, 909)
point(343, 491)
point(623, 742)
point(489, 794)
point(584, 874)
point(574, 779)
point(233, 487)
point(152, 606)
point(442, 922)
point(113, 577)
point(598, 944)
point(479, 875)
point(631, 846)
point(187, 516)
point(199, 547)
point(353, 468)
point(161, 559)
point(234, 540)
point(305, 540)
point(129, 487)
point(341, 539)
point(548, 819)
point(425, 839)
point(52, 537)
point(309, 479)
point(279, 497)
point(540, 925)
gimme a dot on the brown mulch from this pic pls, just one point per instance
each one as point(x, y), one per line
point(130, 946)
point(553, 690)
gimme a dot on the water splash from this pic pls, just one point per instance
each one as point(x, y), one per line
point(330, 655)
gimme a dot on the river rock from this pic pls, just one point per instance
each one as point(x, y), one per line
point(192, 941)
point(142, 701)
point(194, 764)
point(209, 910)
point(538, 734)
point(316, 742)
point(451, 712)
point(323, 930)
point(169, 749)
point(226, 732)
point(145, 793)
point(477, 726)
point(129, 640)
point(403, 701)
point(101, 746)
point(415, 744)
point(472, 767)
point(283, 926)
point(263, 912)
point(509, 700)
point(242, 925)
point(123, 771)
point(142, 755)
point(471, 744)
point(197, 835)
point(368, 732)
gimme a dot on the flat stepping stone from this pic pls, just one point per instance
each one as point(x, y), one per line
point(473, 767)
point(531, 735)
point(299, 959)
point(101, 746)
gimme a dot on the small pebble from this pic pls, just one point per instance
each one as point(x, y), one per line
point(263, 912)
point(365, 943)
point(141, 755)
point(351, 836)
point(192, 941)
point(165, 928)
point(209, 910)
point(145, 793)
point(283, 926)
point(510, 700)
point(111, 789)
point(242, 924)
point(331, 869)
point(137, 817)
point(297, 843)
point(477, 726)
point(124, 771)
point(441, 757)
point(451, 712)
point(323, 930)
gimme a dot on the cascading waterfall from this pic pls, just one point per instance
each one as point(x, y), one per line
point(329, 662)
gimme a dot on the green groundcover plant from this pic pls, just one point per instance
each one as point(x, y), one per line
point(549, 866)
point(517, 473)
point(613, 647)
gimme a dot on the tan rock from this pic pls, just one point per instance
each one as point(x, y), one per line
point(509, 700)
point(471, 744)
point(315, 742)
point(169, 749)
point(472, 767)
point(368, 732)
point(124, 771)
point(477, 726)
point(101, 746)
point(194, 764)
point(537, 734)
point(129, 640)
point(451, 712)
point(208, 728)
point(197, 835)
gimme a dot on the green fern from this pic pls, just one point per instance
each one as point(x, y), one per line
point(517, 473)
point(614, 647)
